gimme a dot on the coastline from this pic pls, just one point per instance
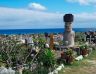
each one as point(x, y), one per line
point(37, 31)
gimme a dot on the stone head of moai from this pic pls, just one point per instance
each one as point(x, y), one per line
point(68, 19)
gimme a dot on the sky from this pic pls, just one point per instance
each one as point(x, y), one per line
point(33, 14)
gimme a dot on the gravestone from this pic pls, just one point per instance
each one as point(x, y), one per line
point(69, 34)
point(90, 37)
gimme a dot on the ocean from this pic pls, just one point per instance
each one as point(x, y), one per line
point(29, 31)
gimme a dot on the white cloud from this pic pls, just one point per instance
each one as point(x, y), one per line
point(36, 6)
point(11, 18)
point(83, 2)
point(23, 18)
point(85, 20)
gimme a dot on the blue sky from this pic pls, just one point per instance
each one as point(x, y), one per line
point(51, 5)
point(15, 14)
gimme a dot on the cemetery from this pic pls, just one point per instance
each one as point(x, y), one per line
point(68, 53)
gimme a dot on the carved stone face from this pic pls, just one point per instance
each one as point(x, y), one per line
point(68, 26)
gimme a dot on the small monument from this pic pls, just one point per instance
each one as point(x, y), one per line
point(51, 45)
point(69, 34)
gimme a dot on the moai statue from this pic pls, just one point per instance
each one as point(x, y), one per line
point(69, 34)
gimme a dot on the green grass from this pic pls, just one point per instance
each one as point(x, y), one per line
point(80, 67)
point(92, 56)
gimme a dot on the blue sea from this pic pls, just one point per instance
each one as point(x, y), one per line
point(29, 31)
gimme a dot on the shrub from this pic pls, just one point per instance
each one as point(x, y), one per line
point(47, 57)
point(69, 56)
